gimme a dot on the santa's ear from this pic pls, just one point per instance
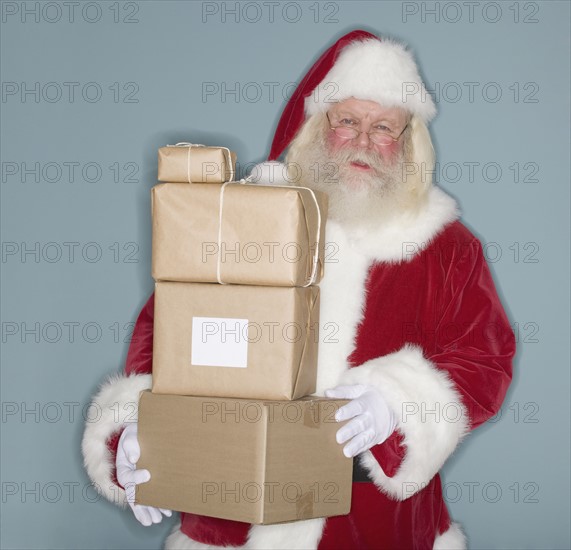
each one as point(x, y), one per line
point(420, 164)
point(270, 172)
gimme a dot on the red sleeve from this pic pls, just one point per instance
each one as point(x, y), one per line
point(140, 355)
point(476, 344)
point(390, 454)
point(463, 374)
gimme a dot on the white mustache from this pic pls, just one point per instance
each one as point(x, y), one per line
point(363, 157)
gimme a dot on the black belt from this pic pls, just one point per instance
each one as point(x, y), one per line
point(360, 474)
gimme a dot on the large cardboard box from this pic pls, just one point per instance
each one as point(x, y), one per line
point(253, 461)
point(190, 163)
point(235, 340)
point(238, 233)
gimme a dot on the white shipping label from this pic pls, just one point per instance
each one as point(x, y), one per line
point(219, 342)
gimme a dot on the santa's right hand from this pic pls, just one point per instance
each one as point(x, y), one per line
point(128, 453)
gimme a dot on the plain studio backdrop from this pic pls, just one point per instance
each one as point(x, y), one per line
point(91, 90)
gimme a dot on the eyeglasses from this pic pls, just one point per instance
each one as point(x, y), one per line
point(376, 136)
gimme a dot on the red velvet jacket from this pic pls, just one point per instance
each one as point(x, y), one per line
point(436, 318)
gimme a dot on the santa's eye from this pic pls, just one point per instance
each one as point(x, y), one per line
point(348, 122)
point(382, 128)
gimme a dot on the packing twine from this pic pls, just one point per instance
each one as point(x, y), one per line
point(191, 145)
point(246, 181)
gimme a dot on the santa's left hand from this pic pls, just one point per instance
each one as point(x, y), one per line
point(372, 419)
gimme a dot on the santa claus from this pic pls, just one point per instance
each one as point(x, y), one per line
point(422, 348)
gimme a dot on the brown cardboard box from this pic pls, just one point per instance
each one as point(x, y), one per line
point(253, 461)
point(255, 342)
point(188, 163)
point(238, 233)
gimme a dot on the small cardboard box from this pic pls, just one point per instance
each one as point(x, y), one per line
point(256, 342)
point(190, 163)
point(254, 461)
point(238, 233)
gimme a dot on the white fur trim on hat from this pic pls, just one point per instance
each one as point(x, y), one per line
point(116, 403)
point(377, 70)
point(429, 411)
point(270, 172)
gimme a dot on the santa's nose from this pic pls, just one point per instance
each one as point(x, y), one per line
point(362, 141)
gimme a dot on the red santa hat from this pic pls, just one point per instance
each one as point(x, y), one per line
point(358, 65)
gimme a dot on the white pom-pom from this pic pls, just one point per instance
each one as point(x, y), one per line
point(270, 172)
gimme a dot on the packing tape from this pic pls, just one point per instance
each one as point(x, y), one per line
point(311, 414)
point(304, 506)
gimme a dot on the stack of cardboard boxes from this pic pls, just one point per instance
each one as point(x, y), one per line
point(228, 429)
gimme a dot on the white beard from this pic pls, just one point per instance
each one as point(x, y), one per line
point(356, 199)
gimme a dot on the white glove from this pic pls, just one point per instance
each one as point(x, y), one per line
point(373, 421)
point(128, 453)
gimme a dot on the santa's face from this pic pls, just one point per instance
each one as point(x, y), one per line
point(361, 162)
point(367, 116)
point(364, 180)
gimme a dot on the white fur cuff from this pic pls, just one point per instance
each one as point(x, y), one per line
point(429, 411)
point(116, 404)
point(453, 539)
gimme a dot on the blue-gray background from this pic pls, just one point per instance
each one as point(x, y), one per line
point(165, 71)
